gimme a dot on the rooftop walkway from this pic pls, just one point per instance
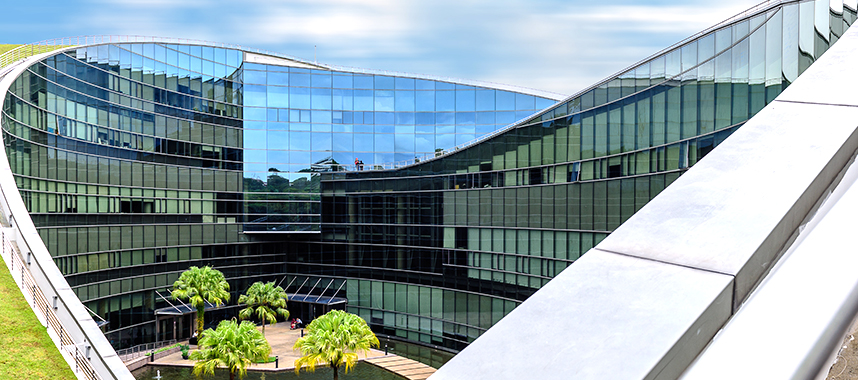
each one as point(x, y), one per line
point(281, 339)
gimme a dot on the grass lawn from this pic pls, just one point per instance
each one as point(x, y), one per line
point(27, 351)
point(6, 47)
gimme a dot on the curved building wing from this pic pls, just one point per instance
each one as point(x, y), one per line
point(432, 207)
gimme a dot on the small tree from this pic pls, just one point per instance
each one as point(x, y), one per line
point(201, 285)
point(264, 300)
point(334, 338)
point(232, 345)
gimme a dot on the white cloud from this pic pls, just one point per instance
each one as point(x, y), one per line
point(559, 46)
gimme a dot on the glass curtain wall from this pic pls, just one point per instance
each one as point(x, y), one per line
point(464, 238)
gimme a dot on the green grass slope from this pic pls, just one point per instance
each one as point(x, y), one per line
point(27, 350)
point(6, 47)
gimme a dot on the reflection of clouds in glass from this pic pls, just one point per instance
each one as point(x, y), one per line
point(559, 46)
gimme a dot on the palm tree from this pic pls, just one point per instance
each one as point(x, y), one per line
point(201, 285)
point(266, 301)
point(334, 338)
point(234, 346)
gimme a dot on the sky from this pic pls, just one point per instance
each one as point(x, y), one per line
point(562, 46)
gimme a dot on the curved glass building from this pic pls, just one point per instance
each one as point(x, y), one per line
point(431, 207)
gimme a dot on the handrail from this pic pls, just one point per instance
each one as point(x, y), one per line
point(139, 350)
point(79, 326)
point(44, 311)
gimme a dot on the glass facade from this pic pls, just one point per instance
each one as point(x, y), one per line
point(139, 160)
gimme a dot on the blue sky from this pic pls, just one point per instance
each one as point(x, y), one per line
point(554, 45)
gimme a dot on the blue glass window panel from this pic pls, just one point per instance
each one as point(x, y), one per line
point(255, 139)
point(424, 143)
point(383, 158)
point(383, 142)
point(445, 100)
point(442, 118)
point(299, 80)
point(346, 117)
point(403, 129)
point(299, 70)
point(277, 127)
point(425, 101)
point(300, 158)
point(422, 84)
point(321, 98)
point(278, 140)
point(404, 101)
point(283, 115)
point(524, 102)
point(444, 86)
point(404, 83)
point(505, 100)
point(383, 82)
point(485, 129)
point(342, 100)
point(321, 80)
point(252, 155)
point(485, 118)
point(425, 118)
point(254, 96)
point(464, 139)
point(384, 129)
point(344, 157)
point(404, 142)
point(505, 118)
point(485, 100)
point(299, 140)
point(320, 156)
point(445, 129)
point(295, 116)
point(357, 117)
point(278, 96)
point(321, 117)
point(469, 129)
point(384, 100)
point(445, 141)
point(252, 76)
point(404, 118)
point(185, 61)
point(278, 157)
point(343, 142)
point(255, 170)
point(343, 81)
point(272, 114)
point(363, 82)
point(299, 97)
point(278, 79)
point(305, 116)
point(342, 128)
point(251, 113)
point(368, 117)
point(522, 114)
point(384, 117)
point(542, 103)
point(321, 127)
point(425, 129)
point(363, 142)
point(337, 117)
point(402, 158)
point(363, 100)
point(321, 141)
point(234, 57)
point(299, 126)
point(465, 100)
point(465, 118)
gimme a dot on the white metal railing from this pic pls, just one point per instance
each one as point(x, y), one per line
point(139, 350)
point(45, 311)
